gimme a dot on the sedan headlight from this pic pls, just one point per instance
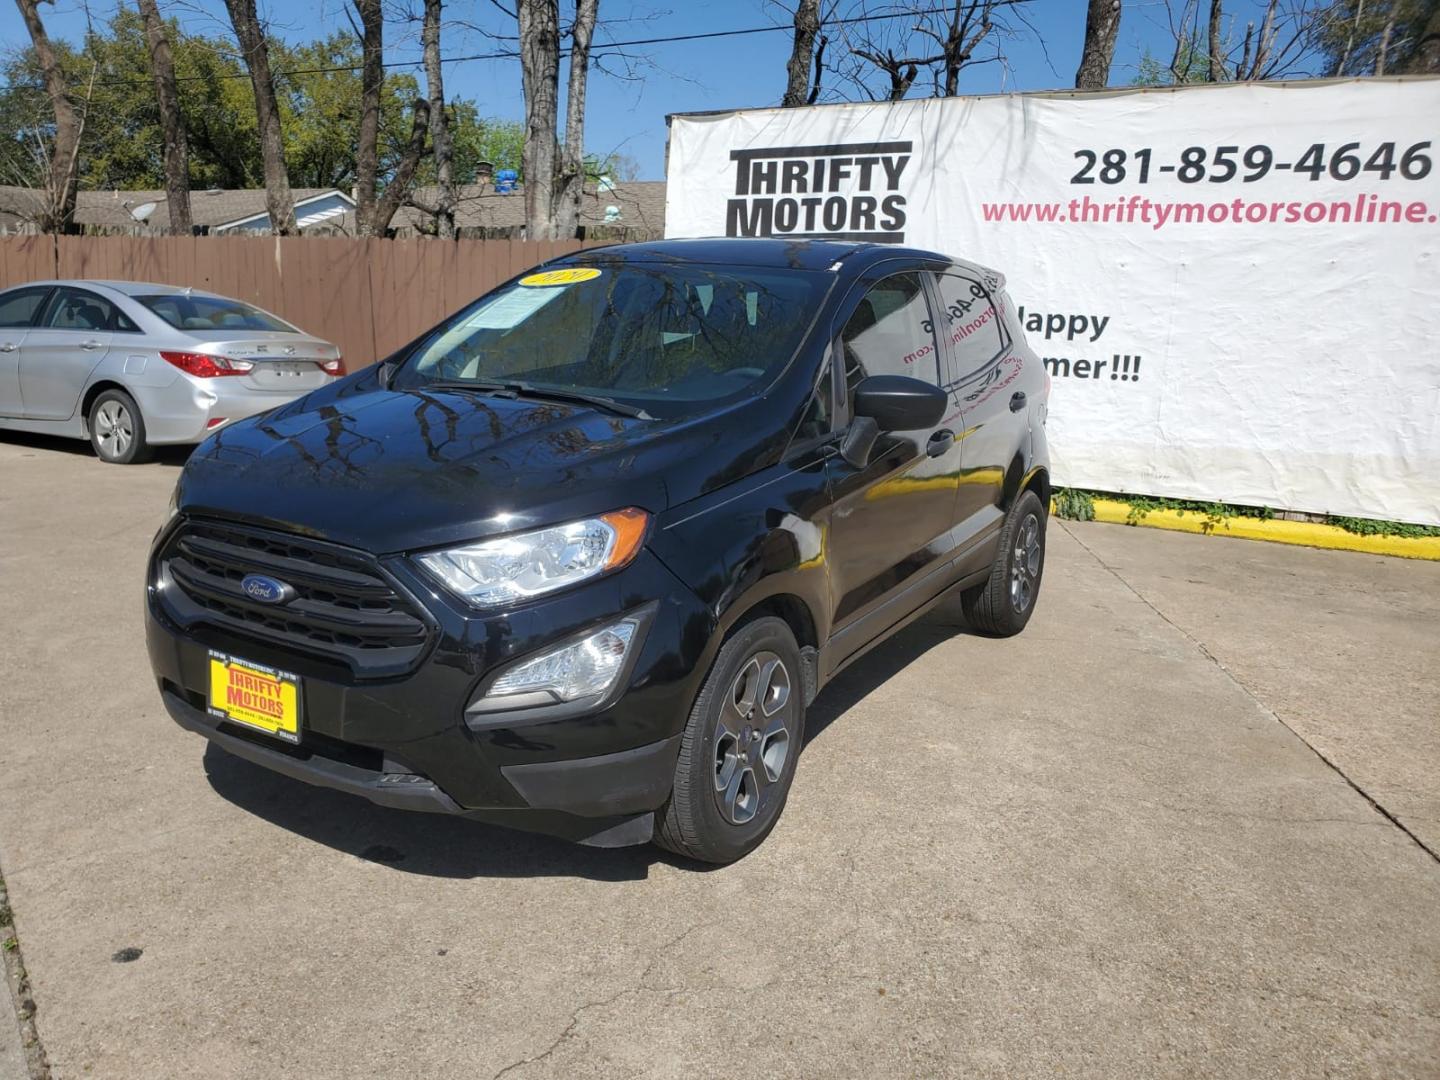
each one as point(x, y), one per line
point(511, 568)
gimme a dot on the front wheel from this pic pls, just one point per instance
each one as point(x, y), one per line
point(739, 747)
point(1002, 606)
point(117, 430)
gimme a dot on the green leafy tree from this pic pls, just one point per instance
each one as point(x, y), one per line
point(1376, 37)
point(1193, 62)
point(123, 143)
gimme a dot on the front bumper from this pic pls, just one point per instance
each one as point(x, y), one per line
point(595, 800)
point(407, 742)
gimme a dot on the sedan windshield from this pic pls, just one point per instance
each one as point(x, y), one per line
point(667, 339)
point(187, 312)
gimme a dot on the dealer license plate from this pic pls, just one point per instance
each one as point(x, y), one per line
point(257, 696)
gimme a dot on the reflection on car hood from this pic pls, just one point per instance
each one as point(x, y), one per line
point(399, 470)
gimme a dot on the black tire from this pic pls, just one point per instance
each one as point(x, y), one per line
point(1003, 605)
point(701, 820)
point(117, 430)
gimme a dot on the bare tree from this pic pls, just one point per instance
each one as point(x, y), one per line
point(1216, 52)
point(367, 142)
point(440, 142)
point(953, 33)
point(1102, 23)
point(570, 185)
point(1285, 43)
point(554, 176)
point(58, 207)
point(172, 124)
point(251, 35)
point(901, 70)
point(970, 24)
point(802, 52)
point(374, 211)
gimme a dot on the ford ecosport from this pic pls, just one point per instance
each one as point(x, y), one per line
point(578, 559)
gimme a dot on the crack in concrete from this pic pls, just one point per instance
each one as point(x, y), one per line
point(12, 963)
point(568, 1032)
point(1205, 652)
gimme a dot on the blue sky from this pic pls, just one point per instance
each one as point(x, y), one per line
point(627, 114)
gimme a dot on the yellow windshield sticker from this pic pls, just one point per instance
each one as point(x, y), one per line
point(569, 276)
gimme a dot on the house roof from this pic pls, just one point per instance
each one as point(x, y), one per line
point(641, 204)
point(112, 209)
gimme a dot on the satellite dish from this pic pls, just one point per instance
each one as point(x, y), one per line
point(142, 212)
point(605, 184)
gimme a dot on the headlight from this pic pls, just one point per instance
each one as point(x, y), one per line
point(511, 568)
point(584, 668)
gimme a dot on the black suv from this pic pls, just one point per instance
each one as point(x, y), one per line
point(578, 559)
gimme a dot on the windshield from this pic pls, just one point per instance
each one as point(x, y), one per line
point(211, 313)
point(669, 339)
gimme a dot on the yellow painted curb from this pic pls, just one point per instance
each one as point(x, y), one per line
point(1302, 533)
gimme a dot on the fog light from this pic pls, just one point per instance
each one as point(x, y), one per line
point(580, 669)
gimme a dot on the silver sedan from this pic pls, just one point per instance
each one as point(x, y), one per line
point(130, 365)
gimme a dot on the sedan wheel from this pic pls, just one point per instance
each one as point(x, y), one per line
point(114, 429)
point(117, 430)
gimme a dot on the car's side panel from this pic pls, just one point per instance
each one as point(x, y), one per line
point(11, 340)
point(62, 350)
point(757, 540)
point(893, 519)
point(996, 379)
point(19, 309)
point(55, 366)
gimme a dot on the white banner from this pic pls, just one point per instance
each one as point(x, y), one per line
point(1235, 288)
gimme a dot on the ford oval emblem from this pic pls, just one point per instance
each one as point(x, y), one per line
point(266, 589)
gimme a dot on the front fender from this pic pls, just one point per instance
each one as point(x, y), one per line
point(761, 538)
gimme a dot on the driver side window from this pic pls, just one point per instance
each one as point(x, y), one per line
point(74, 309)
point(891, 332)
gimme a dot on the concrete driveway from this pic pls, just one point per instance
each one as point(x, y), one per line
point(1177, 828)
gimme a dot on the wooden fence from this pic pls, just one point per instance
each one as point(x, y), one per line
point(368, 296)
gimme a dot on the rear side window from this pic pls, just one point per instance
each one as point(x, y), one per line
point(972, 322)
point(185, 312)
point(890, 333)
point(74, 309)
point(19, 308)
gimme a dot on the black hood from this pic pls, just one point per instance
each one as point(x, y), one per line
point(388, 470)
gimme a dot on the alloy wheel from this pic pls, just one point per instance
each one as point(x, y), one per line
point(752, 737)
point(1025, 563)
point(114, 429)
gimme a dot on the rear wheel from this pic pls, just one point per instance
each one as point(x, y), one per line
point(738, 752)
point(1002, 606)
point(117, 430)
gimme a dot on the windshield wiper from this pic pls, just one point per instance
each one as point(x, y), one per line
point(513, 388)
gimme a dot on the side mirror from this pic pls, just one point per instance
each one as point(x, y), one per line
point(900, 403)
point(890, 403)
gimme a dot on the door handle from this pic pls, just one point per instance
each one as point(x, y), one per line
point(7, 346)
point(91, 345)
point(1017, 401)
point(940, 442)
